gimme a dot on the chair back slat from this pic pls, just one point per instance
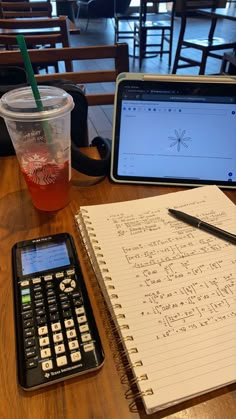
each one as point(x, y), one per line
point(25, 9)
point(118, 53)
point(37, 32)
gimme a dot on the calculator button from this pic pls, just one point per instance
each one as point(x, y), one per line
point(86, 337)
point(67, 313)
point(65, 305)
point(58, 337)
point(39, 304)
point(59, 275)
point(71, 333)
point(83, 328)
point(36, 280)
point(49, 285)
point(24, 283)
point(73, 283)
point(41, 320)
point(54, 317)
point(29, 333)
point(73, 344)
point(69, 323)
point(70, 272)
point(47, 365)
point(43, 330)
point(27, 315)
point(30, 352)
point(27, 307)
point(62, 360)
point(89, 347)
point(45, 353)
point(32, 363)
point(79, 310)
point(52, 300)
point(51, 293)
point(68, 289)
point(28, 323)
point(47, 277)
point(63, 297)
point(53, 308)
point(29, 342)
point(56, 326)
point(82, 319)
point(44, 341)
point(59, 349)
point(37, 287)
point(77, 302)
point(25, 291)
point(40, 311)
point(62, 286)
point(26, 299)
point(66, 281)
point(75, 356)
point(38, 295)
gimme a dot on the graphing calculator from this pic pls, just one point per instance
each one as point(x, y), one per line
point(56, 334)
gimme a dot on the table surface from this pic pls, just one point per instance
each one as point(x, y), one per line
point(97, 395)
point(221, 12)
point(73, 29)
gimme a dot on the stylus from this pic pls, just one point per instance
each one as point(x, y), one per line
point(195, 222)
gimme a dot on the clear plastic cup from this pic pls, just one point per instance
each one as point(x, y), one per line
point(42, 142)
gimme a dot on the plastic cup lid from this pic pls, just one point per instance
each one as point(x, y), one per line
point(19, 104)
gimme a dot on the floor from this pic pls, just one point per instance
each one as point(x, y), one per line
point(101, 32)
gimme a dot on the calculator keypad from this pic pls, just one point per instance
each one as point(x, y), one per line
point(57, 334)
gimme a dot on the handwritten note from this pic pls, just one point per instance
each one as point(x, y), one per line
point(171, 289)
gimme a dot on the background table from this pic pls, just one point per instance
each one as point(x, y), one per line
point(97, 395)
point(220, 12)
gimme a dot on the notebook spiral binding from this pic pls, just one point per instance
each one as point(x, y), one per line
point(121, 358)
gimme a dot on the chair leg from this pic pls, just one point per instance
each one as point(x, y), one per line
point(170, 50)
point(134, 40)
point(87, 14)
point(142, 46)
point(116, 27)
point(176, 61)
point(162, 42)
point(78, 11)
point(203, 63)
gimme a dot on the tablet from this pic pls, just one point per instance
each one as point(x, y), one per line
point(174, 130)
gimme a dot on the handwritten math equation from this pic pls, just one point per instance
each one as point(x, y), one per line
point(186, 280)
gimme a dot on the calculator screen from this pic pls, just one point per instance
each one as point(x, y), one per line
point(43, 257)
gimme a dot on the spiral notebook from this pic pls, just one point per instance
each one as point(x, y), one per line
point(170, 289)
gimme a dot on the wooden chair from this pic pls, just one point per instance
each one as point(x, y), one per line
point(228, 65)
point(102, 77)
point(209, 46)
point(84, 4)
point(37, 32)
point(25, 9)
point(160, 25)
point(123, 13)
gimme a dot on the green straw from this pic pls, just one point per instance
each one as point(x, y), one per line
point(33, 82)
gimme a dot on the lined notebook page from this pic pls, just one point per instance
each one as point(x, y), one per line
point(174, 284)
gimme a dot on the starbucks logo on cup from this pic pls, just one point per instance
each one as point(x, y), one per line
point(39, 169)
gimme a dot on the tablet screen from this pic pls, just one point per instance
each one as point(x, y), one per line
point(175, 133)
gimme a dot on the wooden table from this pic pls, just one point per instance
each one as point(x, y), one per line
point(215, 14)
point(220, 12)
point(73, 29)
point(66, 7)
point(98, 395)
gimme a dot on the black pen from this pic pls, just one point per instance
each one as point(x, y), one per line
point(195, 222)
